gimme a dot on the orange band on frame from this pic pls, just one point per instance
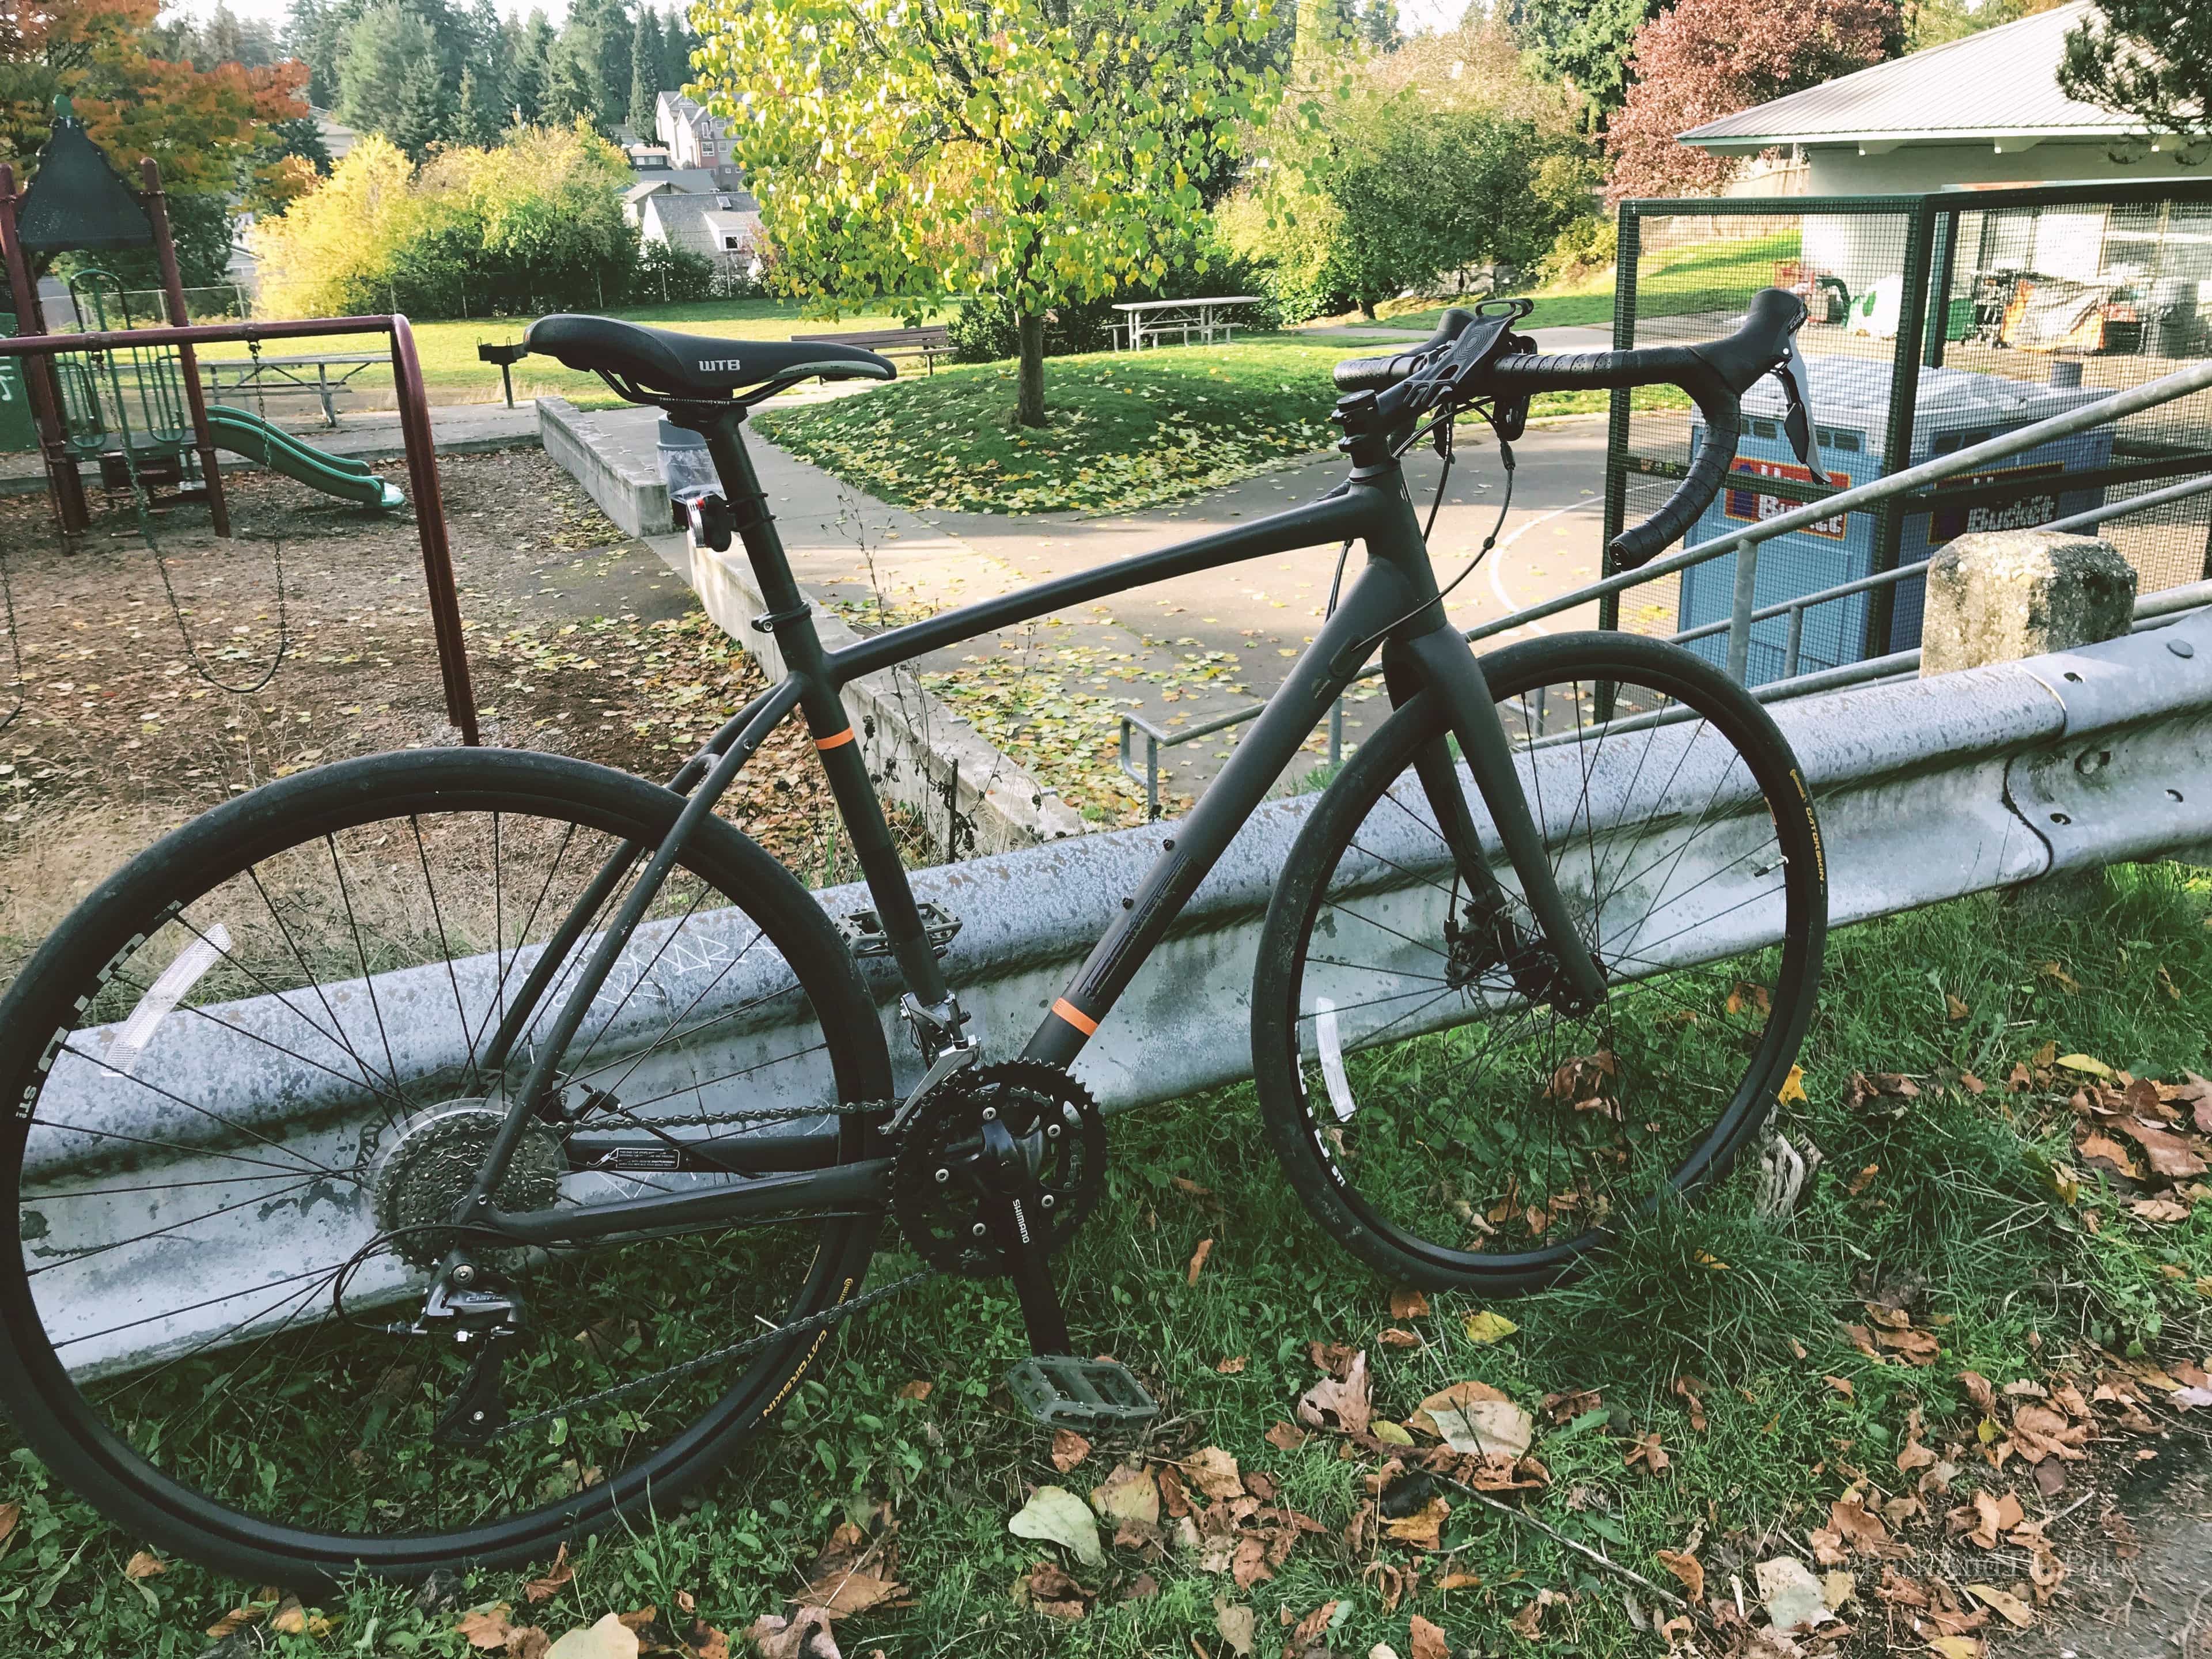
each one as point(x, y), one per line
point(1075, 1016)
point(838, 742)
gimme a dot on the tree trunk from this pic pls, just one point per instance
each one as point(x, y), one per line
point(1030, 411)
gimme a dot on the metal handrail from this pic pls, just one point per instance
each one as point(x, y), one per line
point(1745, 544)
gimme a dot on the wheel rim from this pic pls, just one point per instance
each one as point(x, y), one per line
point(263, 1423)
point(1486, 1135)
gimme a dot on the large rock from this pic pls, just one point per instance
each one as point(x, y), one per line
point(1998, 595)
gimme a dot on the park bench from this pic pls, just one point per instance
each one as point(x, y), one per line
point(923, 342)
point(321, 378)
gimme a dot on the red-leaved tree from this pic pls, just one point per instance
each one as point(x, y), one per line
point(1702, 59)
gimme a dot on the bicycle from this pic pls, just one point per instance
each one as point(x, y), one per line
point(581, 1116)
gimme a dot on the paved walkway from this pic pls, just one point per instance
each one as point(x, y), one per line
point(1184, 650)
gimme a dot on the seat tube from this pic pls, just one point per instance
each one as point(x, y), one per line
point(791, 617)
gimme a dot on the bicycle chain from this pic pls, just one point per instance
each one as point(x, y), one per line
point(811, 1323)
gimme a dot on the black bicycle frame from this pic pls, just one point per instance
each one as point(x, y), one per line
point(1394, 602)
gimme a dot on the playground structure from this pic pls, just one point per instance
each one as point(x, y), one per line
point(138, 410)
point(81, 398)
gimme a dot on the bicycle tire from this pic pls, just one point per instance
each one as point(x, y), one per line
point(1308, 1123)
point(101, 1459)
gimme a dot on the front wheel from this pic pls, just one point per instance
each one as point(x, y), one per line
point(1432, 1103)
point(252, 1076)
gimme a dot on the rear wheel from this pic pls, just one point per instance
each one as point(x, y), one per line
point(1434, 1109)
point(251, 1081)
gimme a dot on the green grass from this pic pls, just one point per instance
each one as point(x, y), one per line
point(453, 375)
point(1127, 431)
point(1959, 1200)
point(1708, 276)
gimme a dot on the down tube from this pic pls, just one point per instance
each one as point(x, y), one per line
point(1380, 598)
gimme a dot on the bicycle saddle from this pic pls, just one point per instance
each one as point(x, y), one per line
point(704, 367)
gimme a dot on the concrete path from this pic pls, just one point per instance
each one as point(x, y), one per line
point(1183, 651)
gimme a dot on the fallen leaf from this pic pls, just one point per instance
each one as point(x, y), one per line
point(1310, 1627)
point(1213, 1471)
point(2083, 1062)
point(1486, 1327)
point(1687, 1568)
point(1474, 1418)
point(1392, 1337)
point(1957, 1647)
point(1342, 1406)
point(1129, 1499)
point(1650, 1453)
point(529, 1641)
point(10, 1513)
point(1792, 1091)
point(1233, 1365)
point(1248, 1563)
point(1428, 1640)
point(144, 1564)
point(1285, 1436)
point(1068, 1449)
point(805, 1635)
point(1423, 1528)
point(1049, 1588)
point(1055, 1514)
point(1406, 1304)
point(2003, 1603)
point(485, 1627)
point(2169, 1154)
point(609, 1638)
point(544, 1590)
point(917, 1390)
point(1954, 1007)
point(1198, 1261)
point(1236, 1625)
point(842, 1595)
point(1792, 1595)
point(2096, 1149)
point(2159, 1211)
point(1841, 1385)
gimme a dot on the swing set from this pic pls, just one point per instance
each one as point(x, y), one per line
point(126, 393)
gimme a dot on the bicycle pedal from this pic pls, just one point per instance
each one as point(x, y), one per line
point(1063, 1392)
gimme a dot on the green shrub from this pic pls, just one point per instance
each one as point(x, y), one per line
point(1583, 247)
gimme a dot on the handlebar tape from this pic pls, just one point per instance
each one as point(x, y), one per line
point(1374, 373)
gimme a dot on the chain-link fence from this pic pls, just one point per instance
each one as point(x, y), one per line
point(142, 307)
point(1937, 322)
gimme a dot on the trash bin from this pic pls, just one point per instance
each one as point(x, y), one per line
point(1850, 397)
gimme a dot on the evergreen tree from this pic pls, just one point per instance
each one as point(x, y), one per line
point(315, 32)
point(572, 88)
point(382, 52)
point(676, 45)
point(478, 117)
point(530, 81)
point(421, 118)
point(644, 71)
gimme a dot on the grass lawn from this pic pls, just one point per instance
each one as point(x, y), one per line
point(452, 374)
point(1128, 430)
point(1708, 276)
point(1723, 1341)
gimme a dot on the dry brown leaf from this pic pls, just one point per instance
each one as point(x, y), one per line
point(1687, 1568)
point(2159, 1211)
point(1427, 1640)
point(544, 1590)
point(144, 1564)
point(1232, 1365)
point(1198, 1261)
point(1693, 1393)
point(1408, 1304)
point(1841, 1385)
point(486, 1628)
point(1650, 1453)
point(1341, 1405)
point(529, 1641)
point(10, 1513)
point(1050, 1589)
point(917, 1390)
point(1392, 1337)
point(2003, 1603)
point(2169, 1154)
point(1068, 1449)
point(1248, 1563)
point(1285, 1436)
point(1310, 1627)
point(842, 1595)
point(1213, 1471)
point(1423, 1528)
point(1914, 1347)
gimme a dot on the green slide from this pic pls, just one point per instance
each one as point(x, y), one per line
point(248, 434)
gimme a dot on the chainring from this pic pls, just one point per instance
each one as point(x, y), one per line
point(936, 1192)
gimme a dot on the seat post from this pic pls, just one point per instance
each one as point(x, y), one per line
point(723, 428)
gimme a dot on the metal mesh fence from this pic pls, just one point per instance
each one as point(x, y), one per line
point(1935, 322)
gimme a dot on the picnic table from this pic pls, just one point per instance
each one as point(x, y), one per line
point(1156, 318)
point(264, 376)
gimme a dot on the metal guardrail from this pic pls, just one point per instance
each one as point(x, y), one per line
point(1928, 790)
point(1745, 543)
